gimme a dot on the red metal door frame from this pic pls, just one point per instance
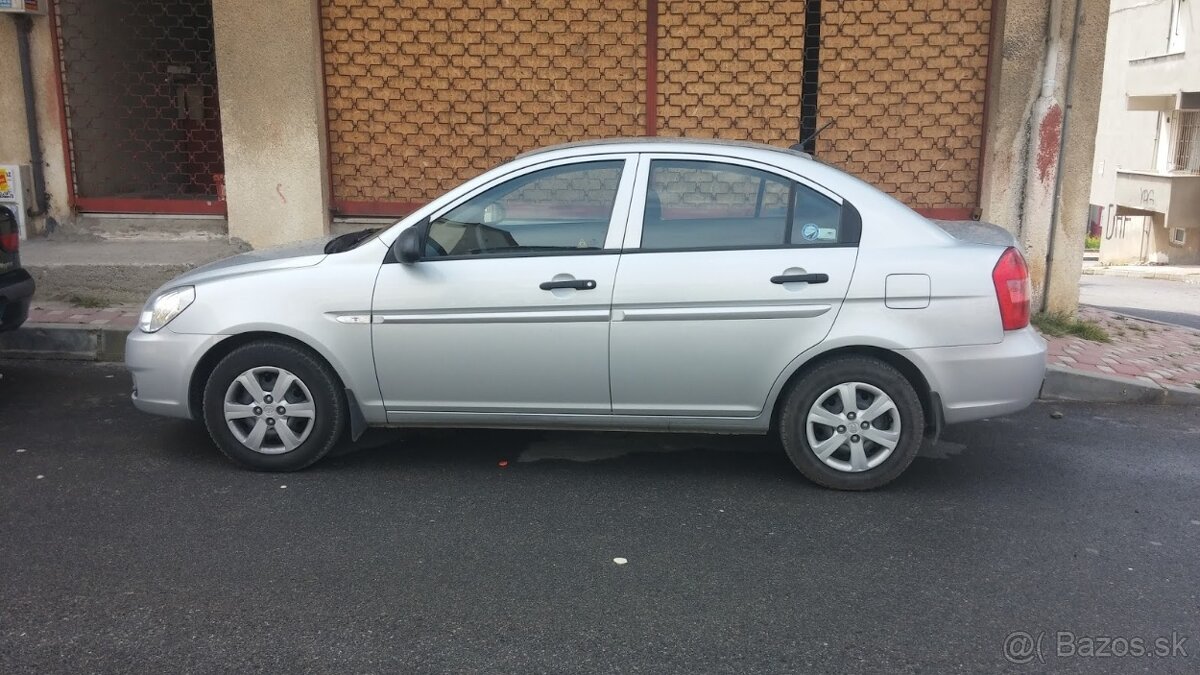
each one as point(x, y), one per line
point(110, 204)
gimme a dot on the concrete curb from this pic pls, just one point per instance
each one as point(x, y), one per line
point(1068, 384)
point(1187, 278)
point(73, 342)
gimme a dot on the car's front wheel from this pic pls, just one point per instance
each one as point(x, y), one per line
point(274, 406)
point(852, 423)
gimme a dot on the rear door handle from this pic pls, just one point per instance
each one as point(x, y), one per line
point(794, 278)
point(577, 284)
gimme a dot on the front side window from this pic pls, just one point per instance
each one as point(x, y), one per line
point(564, 209)
point(700, 205)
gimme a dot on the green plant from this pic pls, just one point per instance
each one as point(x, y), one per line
point(1059, 324)
point(88, 301)
point(1091, 243)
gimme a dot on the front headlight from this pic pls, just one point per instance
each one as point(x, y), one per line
point(166, 306)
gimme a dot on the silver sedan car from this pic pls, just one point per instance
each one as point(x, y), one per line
point(647, 285)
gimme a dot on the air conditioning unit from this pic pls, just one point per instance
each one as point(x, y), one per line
point(16, 191)
point(23, 6)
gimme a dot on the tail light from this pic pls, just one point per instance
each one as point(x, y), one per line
point(10, 236)
point(1011, 278)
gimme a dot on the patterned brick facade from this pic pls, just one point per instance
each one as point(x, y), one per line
point(904, 81)
point(423, 94)
point(731, 69)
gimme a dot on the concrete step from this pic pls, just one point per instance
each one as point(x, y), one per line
point(84, 227)
point(107, 272)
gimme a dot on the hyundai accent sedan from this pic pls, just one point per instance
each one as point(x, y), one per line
point(646, 285)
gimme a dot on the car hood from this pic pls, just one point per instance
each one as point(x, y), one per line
point(301, 254)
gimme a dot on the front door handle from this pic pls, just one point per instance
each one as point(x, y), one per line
point(577, 284)
point(793, 278)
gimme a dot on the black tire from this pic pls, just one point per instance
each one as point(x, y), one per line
point(813, 384)
point(328, 402)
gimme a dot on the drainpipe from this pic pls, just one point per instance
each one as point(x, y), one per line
point(36, 160)
point(1062, 141)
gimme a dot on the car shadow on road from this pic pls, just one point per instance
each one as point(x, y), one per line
point(581, 453)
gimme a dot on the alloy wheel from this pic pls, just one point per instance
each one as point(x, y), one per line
point(269, 410)
point(853, 427)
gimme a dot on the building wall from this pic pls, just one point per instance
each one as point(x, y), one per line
point(1137, 65)
point(423, 95)
point(1126, 240)
point(1124, 138)
point(272, 120)
point(1134, 240)
point(14, 138)
point(904, 83)
point(731, 70)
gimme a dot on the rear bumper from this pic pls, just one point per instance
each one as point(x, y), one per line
point(162, 364)
point(16, 294)
point(981, 381)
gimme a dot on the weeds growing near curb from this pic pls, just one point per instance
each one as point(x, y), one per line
point(1060, 324)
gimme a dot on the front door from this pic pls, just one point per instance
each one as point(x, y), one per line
point(737, 270)
point(508, 311)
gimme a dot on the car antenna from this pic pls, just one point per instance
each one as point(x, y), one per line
point(799, 147)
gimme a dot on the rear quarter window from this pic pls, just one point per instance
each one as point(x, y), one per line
point(710, 205)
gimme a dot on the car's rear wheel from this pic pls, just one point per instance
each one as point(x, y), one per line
point(852, 423)
point(274, 406)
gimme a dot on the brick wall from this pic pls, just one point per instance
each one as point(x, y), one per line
point(423, 94)
point(904, 80)
point(731, 69)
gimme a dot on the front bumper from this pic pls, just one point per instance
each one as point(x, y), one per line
point(16, 294)
point(981, 381)
point(162, 364)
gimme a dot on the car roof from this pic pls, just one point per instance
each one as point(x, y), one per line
point(656, 143)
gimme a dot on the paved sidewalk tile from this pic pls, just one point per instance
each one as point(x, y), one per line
point(123, 318)
point(1149, 351)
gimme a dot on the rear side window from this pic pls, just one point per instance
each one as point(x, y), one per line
point(701, 205)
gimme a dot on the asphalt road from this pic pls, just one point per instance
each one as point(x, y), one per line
point(130, 545)
point(1174, 302)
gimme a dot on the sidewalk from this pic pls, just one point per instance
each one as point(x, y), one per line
point(1145, 362)
point(124, 317)
point(1186, 273)
point(60, 331)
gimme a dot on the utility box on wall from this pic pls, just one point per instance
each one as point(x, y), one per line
point(16, 191)
point(23, 6)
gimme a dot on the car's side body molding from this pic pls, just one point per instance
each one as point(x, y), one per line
point(491, 315)
point(719, 312)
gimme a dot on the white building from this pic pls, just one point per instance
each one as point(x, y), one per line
point(1147, 160)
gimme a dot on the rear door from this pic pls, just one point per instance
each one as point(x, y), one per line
point(730, 270)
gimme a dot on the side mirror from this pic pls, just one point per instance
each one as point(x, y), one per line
point(407, 247)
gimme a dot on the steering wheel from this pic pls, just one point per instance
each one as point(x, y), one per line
point(436, 248)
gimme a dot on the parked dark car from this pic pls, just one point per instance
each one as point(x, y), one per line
point(16, 286)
